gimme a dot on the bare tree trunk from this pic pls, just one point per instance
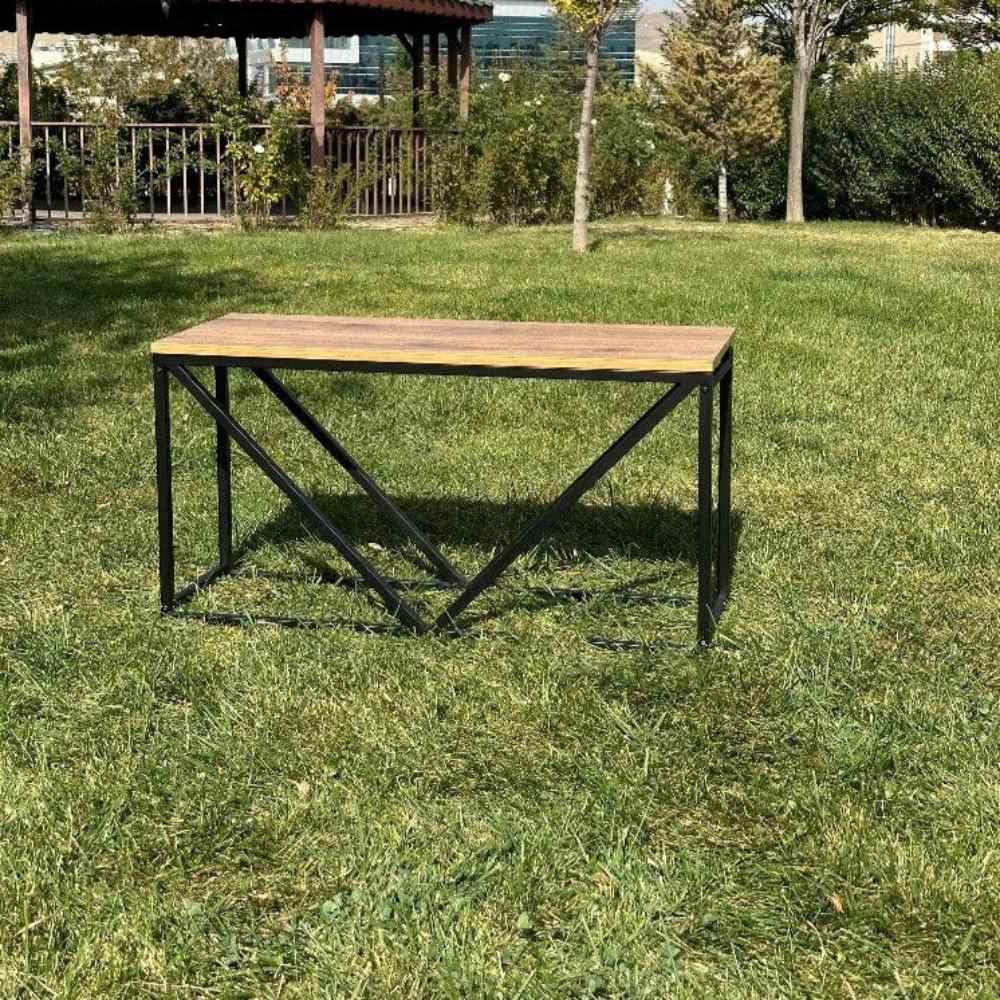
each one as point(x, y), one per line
point(723, 193)
point(581, 201)
point(669, 207)
point(794, 205)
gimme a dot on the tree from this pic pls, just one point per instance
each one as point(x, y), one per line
point(970, 24)
point(807, 31)
point(49, 101)
point(589, 19)
point(149, 78)
point(719, 95)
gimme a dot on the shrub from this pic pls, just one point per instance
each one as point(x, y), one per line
point(11, 184)
point(758, 183)
point(626, 174)
point(329, 195)
point(267, 163)
point(148, 79)
point(520, 140)
point(920, 146)
point(49, 99)
point(452, 178)
point(100, 175)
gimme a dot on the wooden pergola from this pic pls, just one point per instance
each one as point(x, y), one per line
point(418, 24)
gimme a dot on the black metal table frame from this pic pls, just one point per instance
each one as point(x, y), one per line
point(715, 568)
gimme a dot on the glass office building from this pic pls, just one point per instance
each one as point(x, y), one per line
point(527, 30)
point(520, 31)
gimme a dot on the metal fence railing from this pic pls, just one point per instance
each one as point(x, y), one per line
point(181, 172)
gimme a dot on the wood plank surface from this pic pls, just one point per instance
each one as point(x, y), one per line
point(571, 347)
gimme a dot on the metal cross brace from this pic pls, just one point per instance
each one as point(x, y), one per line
point(712, 593)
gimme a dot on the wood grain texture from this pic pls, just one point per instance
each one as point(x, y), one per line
point(581, 347)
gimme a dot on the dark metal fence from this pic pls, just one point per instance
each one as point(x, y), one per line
point(179, 172)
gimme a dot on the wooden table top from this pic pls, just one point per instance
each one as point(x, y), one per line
point(329, 341)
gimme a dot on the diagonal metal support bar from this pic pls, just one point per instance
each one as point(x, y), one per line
point(585, 481)
point(393, 601)
point(350, 465)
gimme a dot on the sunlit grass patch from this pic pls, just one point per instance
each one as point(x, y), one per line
point(808, 809)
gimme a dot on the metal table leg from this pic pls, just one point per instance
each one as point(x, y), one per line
point(164, 486)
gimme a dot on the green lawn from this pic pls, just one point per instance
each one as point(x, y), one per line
point(809, 809)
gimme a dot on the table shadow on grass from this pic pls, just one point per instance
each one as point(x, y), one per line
point(664, 534)
point(646, 530)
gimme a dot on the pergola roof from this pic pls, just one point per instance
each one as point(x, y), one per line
point(230, 18)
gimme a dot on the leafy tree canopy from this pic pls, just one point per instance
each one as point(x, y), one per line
point(50, 100)
point(153, 79)
point(971, 24)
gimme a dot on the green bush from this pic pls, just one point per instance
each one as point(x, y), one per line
point(455, 197)
point(520, 139)
point(626, 175)
point(99, 175)
point(515, 161)
point(49, 100)
point(11, 184)
point(921, 146)
point(267, 163)
point(757, 184)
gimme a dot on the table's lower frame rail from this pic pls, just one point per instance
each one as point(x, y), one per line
point(714, 540)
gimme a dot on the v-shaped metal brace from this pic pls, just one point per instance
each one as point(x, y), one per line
point(587, 479)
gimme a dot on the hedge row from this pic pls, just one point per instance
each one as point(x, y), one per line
point(918, 146)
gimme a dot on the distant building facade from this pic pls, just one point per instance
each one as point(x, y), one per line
point(527, 31)
point(48, 50)
point(897, 47)
point(521, 31)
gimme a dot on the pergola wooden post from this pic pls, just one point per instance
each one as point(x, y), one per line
point(243, 76)
point(452, 35)
point(317, 82)
point(418, 75)
point(25, 36)
point(465, 82)
point(435, 60)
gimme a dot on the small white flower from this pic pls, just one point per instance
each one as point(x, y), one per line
point(593, 123)
point(259, 148)
point(503, 77)
point(177, 81)
point(529, 104)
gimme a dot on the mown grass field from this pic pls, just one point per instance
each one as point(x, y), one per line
point(809, 809)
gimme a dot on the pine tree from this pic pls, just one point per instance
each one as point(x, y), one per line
point(720, 96)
